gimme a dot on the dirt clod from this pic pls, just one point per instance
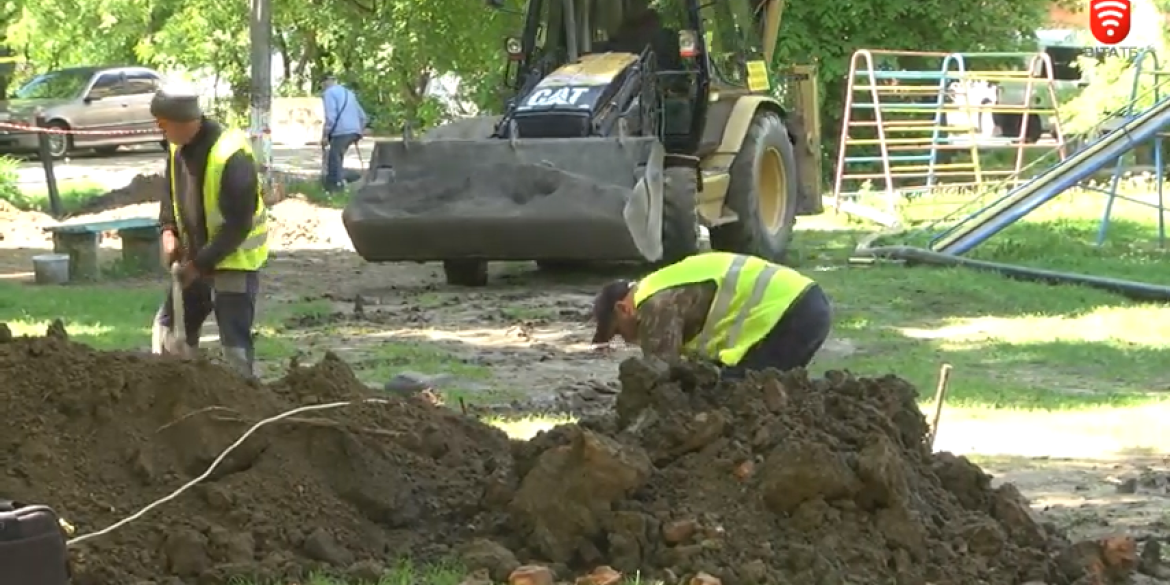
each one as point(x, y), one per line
point(481, 553)
point(603, 575)
point(842, 486)
point(531, 575)
point(705, 579)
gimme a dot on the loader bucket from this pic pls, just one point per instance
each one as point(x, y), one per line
point(596, 199)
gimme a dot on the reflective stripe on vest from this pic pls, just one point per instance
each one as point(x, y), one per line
point(722, 304)
point(253, 252)
point(751, 297)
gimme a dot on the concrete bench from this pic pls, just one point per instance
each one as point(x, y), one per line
point(140, 246)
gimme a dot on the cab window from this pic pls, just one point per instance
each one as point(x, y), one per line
point(732, 39)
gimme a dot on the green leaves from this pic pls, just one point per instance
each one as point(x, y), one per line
point(391, 49)
point(388, 49)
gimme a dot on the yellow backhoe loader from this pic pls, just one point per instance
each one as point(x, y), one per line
point(633, 127)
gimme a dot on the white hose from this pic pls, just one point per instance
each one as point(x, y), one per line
point(215, 464)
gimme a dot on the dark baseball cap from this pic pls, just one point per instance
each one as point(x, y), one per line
point(605, 309)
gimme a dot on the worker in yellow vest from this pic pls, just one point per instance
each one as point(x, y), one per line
point(742, 312)
point(214, 224)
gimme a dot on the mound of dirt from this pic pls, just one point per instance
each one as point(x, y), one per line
point(100, 435)
point(297, 223)
point(22, 228)
point(778, 479)
point(141, 189)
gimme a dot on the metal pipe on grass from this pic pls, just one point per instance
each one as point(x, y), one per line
point(1140, 291)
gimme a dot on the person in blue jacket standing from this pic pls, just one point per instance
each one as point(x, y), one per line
point(345, 121)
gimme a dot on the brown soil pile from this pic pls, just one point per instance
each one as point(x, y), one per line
point(22, 228)
point(141, 189)
point(100, 435)
point(296, 222)
point(780, 479)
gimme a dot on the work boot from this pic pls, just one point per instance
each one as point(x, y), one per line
point(237, 359)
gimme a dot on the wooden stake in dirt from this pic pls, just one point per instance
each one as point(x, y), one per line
point(940, 395)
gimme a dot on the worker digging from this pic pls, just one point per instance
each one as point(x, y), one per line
point(214, 226)
point(739, 311)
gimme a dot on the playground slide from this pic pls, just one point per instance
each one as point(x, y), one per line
point(1022, 200)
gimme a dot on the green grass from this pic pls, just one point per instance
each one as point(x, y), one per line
point(1013, 344)
point(74, 194)
point(313, 191)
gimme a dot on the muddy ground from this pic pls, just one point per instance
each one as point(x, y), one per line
point(522, 344)
point(774, 480)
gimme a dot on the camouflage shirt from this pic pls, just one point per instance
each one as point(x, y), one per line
point(671, 317)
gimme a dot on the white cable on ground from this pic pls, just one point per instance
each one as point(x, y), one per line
point(214, 464)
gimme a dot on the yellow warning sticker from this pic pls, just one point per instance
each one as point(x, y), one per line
point(758, 76)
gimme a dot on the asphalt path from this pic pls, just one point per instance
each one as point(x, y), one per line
point(85, 169)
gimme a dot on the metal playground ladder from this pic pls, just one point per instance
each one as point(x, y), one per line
point(907, 133)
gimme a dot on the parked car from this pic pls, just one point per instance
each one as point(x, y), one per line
point(94, 99)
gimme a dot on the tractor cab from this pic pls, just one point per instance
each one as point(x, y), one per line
point(682, 49)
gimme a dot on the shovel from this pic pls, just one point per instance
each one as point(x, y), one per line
point(174, 339)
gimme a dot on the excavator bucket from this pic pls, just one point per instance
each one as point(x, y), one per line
point(596, 199)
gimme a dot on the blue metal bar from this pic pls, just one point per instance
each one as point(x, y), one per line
point(1024, 199)
point(939, 116)
point(1160, 177)
point(1119, 168)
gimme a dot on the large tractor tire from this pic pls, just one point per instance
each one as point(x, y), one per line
point(465, 272)
point(764, 192)
point(680, 226)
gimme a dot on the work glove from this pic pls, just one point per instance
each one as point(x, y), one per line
point(172, 248)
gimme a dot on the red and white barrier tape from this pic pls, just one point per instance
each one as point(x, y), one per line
point(34, 129)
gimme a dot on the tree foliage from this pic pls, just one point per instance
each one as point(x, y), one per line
point(391, 49)
point(828, 33)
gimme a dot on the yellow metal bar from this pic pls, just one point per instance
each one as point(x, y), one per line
point(893, 123)
point(1000, 109)
point(890, 141)
point(898, 88)
point(895, 175)
point(993, 73)
point(895, 109)
point(968, 146)
point(939, 145)
point(939, 167)
point(926, 128)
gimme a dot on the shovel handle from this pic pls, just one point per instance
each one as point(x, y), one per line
point(178, 320)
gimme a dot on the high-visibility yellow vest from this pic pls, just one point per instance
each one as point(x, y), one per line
point(752, 296)
point(253, 253)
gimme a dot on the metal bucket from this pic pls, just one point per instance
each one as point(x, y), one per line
point(497, 199)
point(51, 268)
